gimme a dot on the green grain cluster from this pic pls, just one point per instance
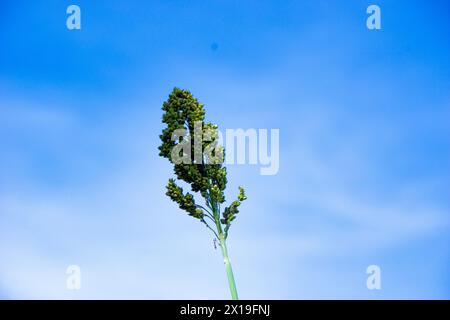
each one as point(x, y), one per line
point(208, 178)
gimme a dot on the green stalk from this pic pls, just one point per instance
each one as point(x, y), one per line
point(229, 270)
point(226, 260)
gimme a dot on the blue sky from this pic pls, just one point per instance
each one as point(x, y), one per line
point(364, 148)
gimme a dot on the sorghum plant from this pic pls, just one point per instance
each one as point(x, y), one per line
point(202, 169)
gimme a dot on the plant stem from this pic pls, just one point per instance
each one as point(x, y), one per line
point(222, 239)
point(228, 268)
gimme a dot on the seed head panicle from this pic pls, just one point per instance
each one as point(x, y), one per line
point(205, 173)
